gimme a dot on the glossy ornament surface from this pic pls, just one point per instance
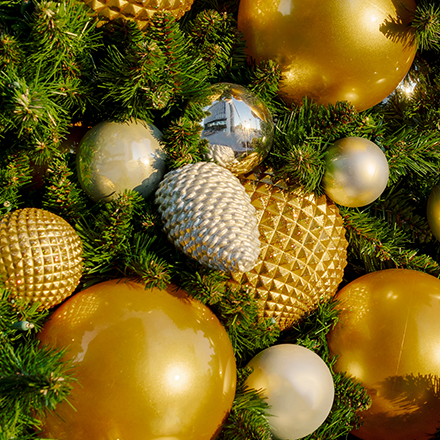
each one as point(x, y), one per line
point(303, 249)
point(356, 172)
point(113, 157)
point(387, 338)
point(40, 256)
point(150, 364)
point(348, 50)
point(433, 211)
point(238, 126)
point(297, 385)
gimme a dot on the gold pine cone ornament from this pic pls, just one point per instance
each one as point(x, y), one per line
point(40, 256)
point(303, 249)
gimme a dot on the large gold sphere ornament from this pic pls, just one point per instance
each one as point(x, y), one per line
point(349, 50)
point(40, 256)
point(433, 211)
point(303, 249)
point(387, 337)
point(150, 364)
point(356, 172)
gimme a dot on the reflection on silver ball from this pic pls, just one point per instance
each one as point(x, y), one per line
point(356, 172)
point(238, 126)
point(113, 157)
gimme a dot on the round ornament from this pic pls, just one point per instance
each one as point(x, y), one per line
point(331, 51)
point(433, 211)
point(303, 249)
point(150, 364)
point(113, 157)
point(208, 216)
point(40, 256)
point(238, 126)
point(356, 172)
point(298, 387)
point(387, 338)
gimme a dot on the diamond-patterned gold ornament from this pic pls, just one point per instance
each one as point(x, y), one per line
point(303, 249)
point(40, 256)
point(139, 11)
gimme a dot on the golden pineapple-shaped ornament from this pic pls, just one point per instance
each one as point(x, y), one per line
point(303, 249)
point(40, 256)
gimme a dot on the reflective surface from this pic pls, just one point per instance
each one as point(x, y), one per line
point(113, 157)
point(433, 211)
point(238, 126)
point(330, 51)
point(388, 338)
point(298, 386)
point(151, 364)
point(356, 172)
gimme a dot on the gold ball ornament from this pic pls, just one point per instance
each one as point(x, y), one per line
point(433, 211)
point(303, 249)
point(40, 256)
point(332, 51)
point(356, 172)
point(387, 338)
point(150, 364)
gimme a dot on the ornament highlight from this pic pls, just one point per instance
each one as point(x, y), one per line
point(298, 387)
point(387, 338)
point(208, 216)
point(348, 50)
point(356, 172)
point(150, 363)
point(113, 157)
point(303, 249)
point(433, 211)
point(40, 256)
point(238, 126)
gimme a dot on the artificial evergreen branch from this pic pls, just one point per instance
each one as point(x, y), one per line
point(426, 24)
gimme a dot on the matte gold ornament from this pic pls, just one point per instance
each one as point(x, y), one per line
point(40, 256)
point(139, 11)
point(356, 172)
point(433, 211)
point(113, 157)
point(387, 338)
point(303, 249)
point(208, 216)
point(349, 50)
point(298, 387)
point(150, 364)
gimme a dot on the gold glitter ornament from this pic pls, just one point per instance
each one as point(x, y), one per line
point(40, 256)
point(303, 249)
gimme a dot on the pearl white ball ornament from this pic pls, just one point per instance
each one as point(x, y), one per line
point(298, 386)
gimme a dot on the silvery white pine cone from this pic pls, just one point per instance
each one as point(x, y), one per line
point(221, 155)
point(208, 215)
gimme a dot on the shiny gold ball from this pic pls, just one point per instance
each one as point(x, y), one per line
point(433, 211)
point(40, 256)
point(331, 51)
point(150, 364)
point(387, 338)
point(303, 249)
point(356, 172)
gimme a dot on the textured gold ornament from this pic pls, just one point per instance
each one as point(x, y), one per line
point(433, 211)
point(40, 256)
point(140, 11)
point(303, 249)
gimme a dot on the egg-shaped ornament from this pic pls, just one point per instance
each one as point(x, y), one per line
point(329, 51)
point(150, 364)
point(356, 172)
point(238, 126)
point(433, 211)
point(113, 157)
point(298, 387)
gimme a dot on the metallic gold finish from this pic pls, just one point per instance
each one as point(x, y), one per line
point(353, 50)
point(238, 126)
point(113, 157)
point(388, 338)
point(40, 256)
point(150, 364)
point(303, 249)
point(433, 211)
point(298, 386)
point(356, 172)
point(208, 215)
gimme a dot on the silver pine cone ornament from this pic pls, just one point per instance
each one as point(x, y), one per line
point(208, 215)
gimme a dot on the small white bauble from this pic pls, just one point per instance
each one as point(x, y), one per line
point(298, 386)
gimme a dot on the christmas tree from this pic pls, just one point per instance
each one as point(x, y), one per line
point(65, 69)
